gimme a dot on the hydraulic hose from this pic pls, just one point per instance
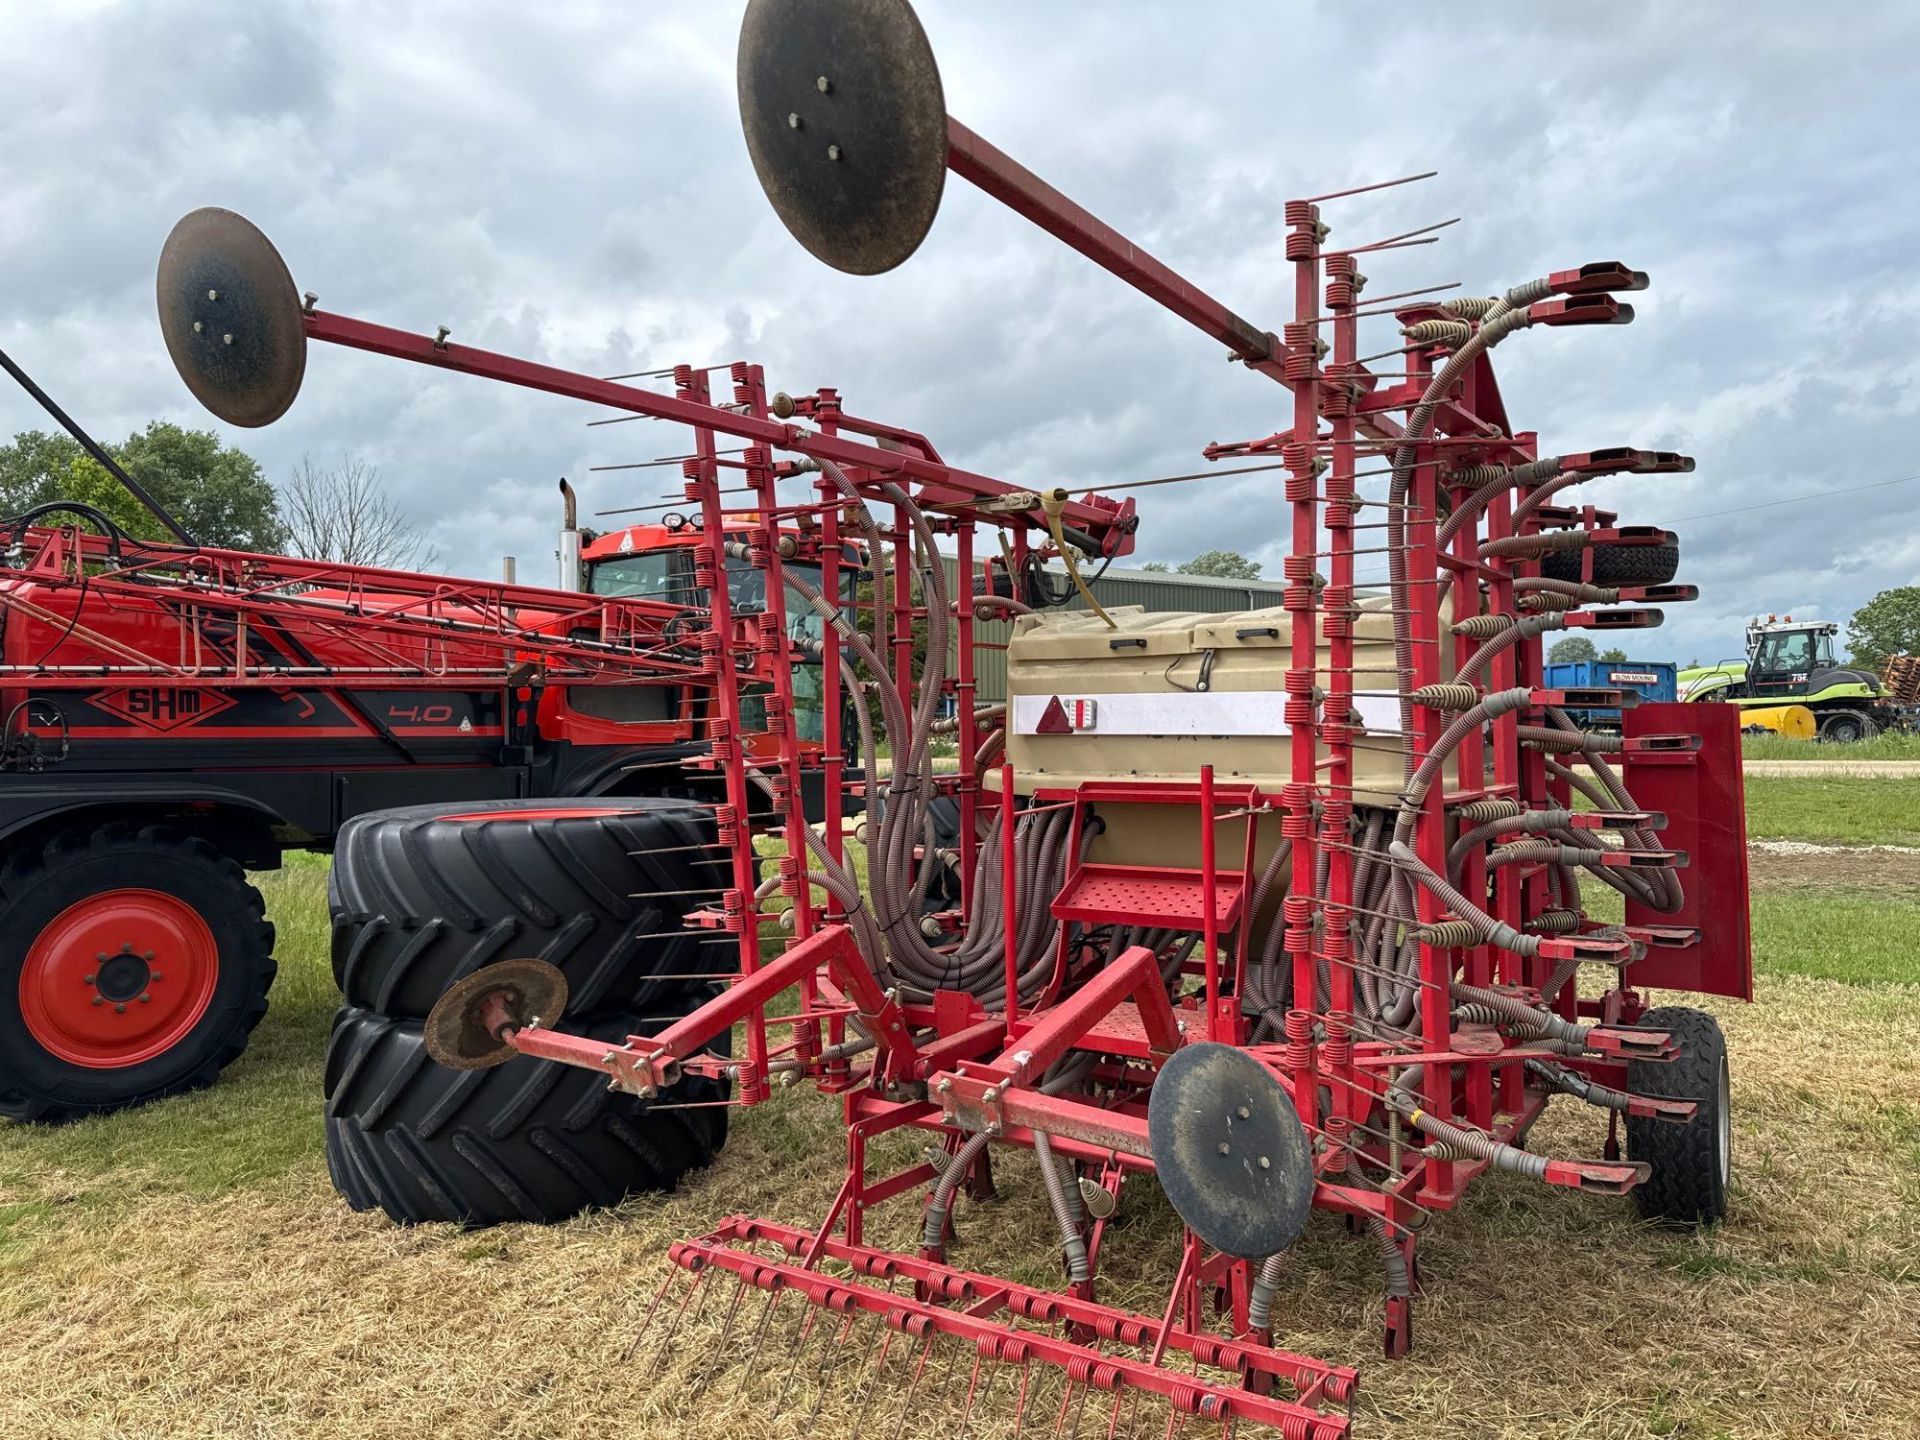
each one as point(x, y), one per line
point(933, 1234)
point(1066, 1209)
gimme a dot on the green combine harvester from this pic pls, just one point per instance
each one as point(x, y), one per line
point(1789, 667)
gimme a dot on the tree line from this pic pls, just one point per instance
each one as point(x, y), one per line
point(220, 495)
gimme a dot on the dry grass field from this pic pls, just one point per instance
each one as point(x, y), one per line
point(187, 1270)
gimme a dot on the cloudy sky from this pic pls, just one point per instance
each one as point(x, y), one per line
point(567, 181)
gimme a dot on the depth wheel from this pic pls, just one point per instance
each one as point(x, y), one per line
point(133, 964)
point(1692, 1163)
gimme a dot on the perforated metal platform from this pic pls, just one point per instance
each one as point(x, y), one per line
point(1139, 895)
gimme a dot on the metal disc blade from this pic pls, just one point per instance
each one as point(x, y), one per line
point(847, 125)
point(1231, 1153)
point(231, 317)
point(456, 1032)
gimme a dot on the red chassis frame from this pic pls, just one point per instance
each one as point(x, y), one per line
point(955, 1069)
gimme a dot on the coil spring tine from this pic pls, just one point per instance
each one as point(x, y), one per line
point(827, 1361)
point(973, 1389)
point(873, 1381)
point(726, 1328)
point(673, 1273)
point(1020, 1408)
point(953, 1372)
point(1066, 1399)
point(906, 1405)
point(802, 1329)
point(774, 1298)
point(1086, 1391)
point(1113, 1415)
point(656, 1355)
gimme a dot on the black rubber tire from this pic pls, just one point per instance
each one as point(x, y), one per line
point(1692, 1163)
point(1618, 564)
point(39, 885)
point(1845, 727)
point(530, 1140)
point(425, 895)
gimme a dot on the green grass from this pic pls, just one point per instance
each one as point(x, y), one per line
point(1890, 746)
point(1847, 935)
point(1844, 810)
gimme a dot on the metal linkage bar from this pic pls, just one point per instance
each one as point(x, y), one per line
point(942, 486)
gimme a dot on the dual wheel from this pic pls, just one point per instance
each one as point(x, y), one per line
point(423, 897)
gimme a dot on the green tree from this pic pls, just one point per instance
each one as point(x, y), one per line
point(1571, 649)
point(1613, 656)
point(1888, 624)
point(1226, 564)
point(1156, 567)
point(218, 493)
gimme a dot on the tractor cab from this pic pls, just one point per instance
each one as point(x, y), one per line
point(656, 562)
point(1791, 663)
point(1784, 657)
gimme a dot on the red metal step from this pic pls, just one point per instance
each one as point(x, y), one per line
point(1149, 895)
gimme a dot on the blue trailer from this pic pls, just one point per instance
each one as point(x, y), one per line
point(1654, 679)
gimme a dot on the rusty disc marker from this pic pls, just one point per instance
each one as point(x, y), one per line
point(231, 317)
point(1231, 1153)
point(846, 122)
point(456, 1030)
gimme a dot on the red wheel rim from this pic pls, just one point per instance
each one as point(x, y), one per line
point(118, 978)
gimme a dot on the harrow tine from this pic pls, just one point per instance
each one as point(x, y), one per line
point(1020, 1407)
point(953, 1371)
point(1066, 1401)
point(873, 1381)
point(919, 1369)
point(674, 1272)
point(802, 1329)
point(974, 1392)
point(718, 1347)
point(774, 1298)
point(666, 1341)
point(1113, 1415)
point(1080, 1411)
point(826, 1363)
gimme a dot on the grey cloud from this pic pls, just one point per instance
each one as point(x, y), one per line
point(566, 181)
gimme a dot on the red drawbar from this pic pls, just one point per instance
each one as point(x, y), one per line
point(118, 978)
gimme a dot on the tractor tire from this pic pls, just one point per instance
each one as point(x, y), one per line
point(1692, 1163)
point(1845, 727)
point(425, 895)
point(1618, 564)
point(530, 1140)
point(134, 963)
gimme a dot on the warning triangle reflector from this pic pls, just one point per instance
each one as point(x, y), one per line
point(1053, 720)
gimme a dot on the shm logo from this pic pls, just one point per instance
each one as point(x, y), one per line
point(153, 708)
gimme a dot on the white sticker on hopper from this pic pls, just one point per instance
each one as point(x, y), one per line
point(1219, 712)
